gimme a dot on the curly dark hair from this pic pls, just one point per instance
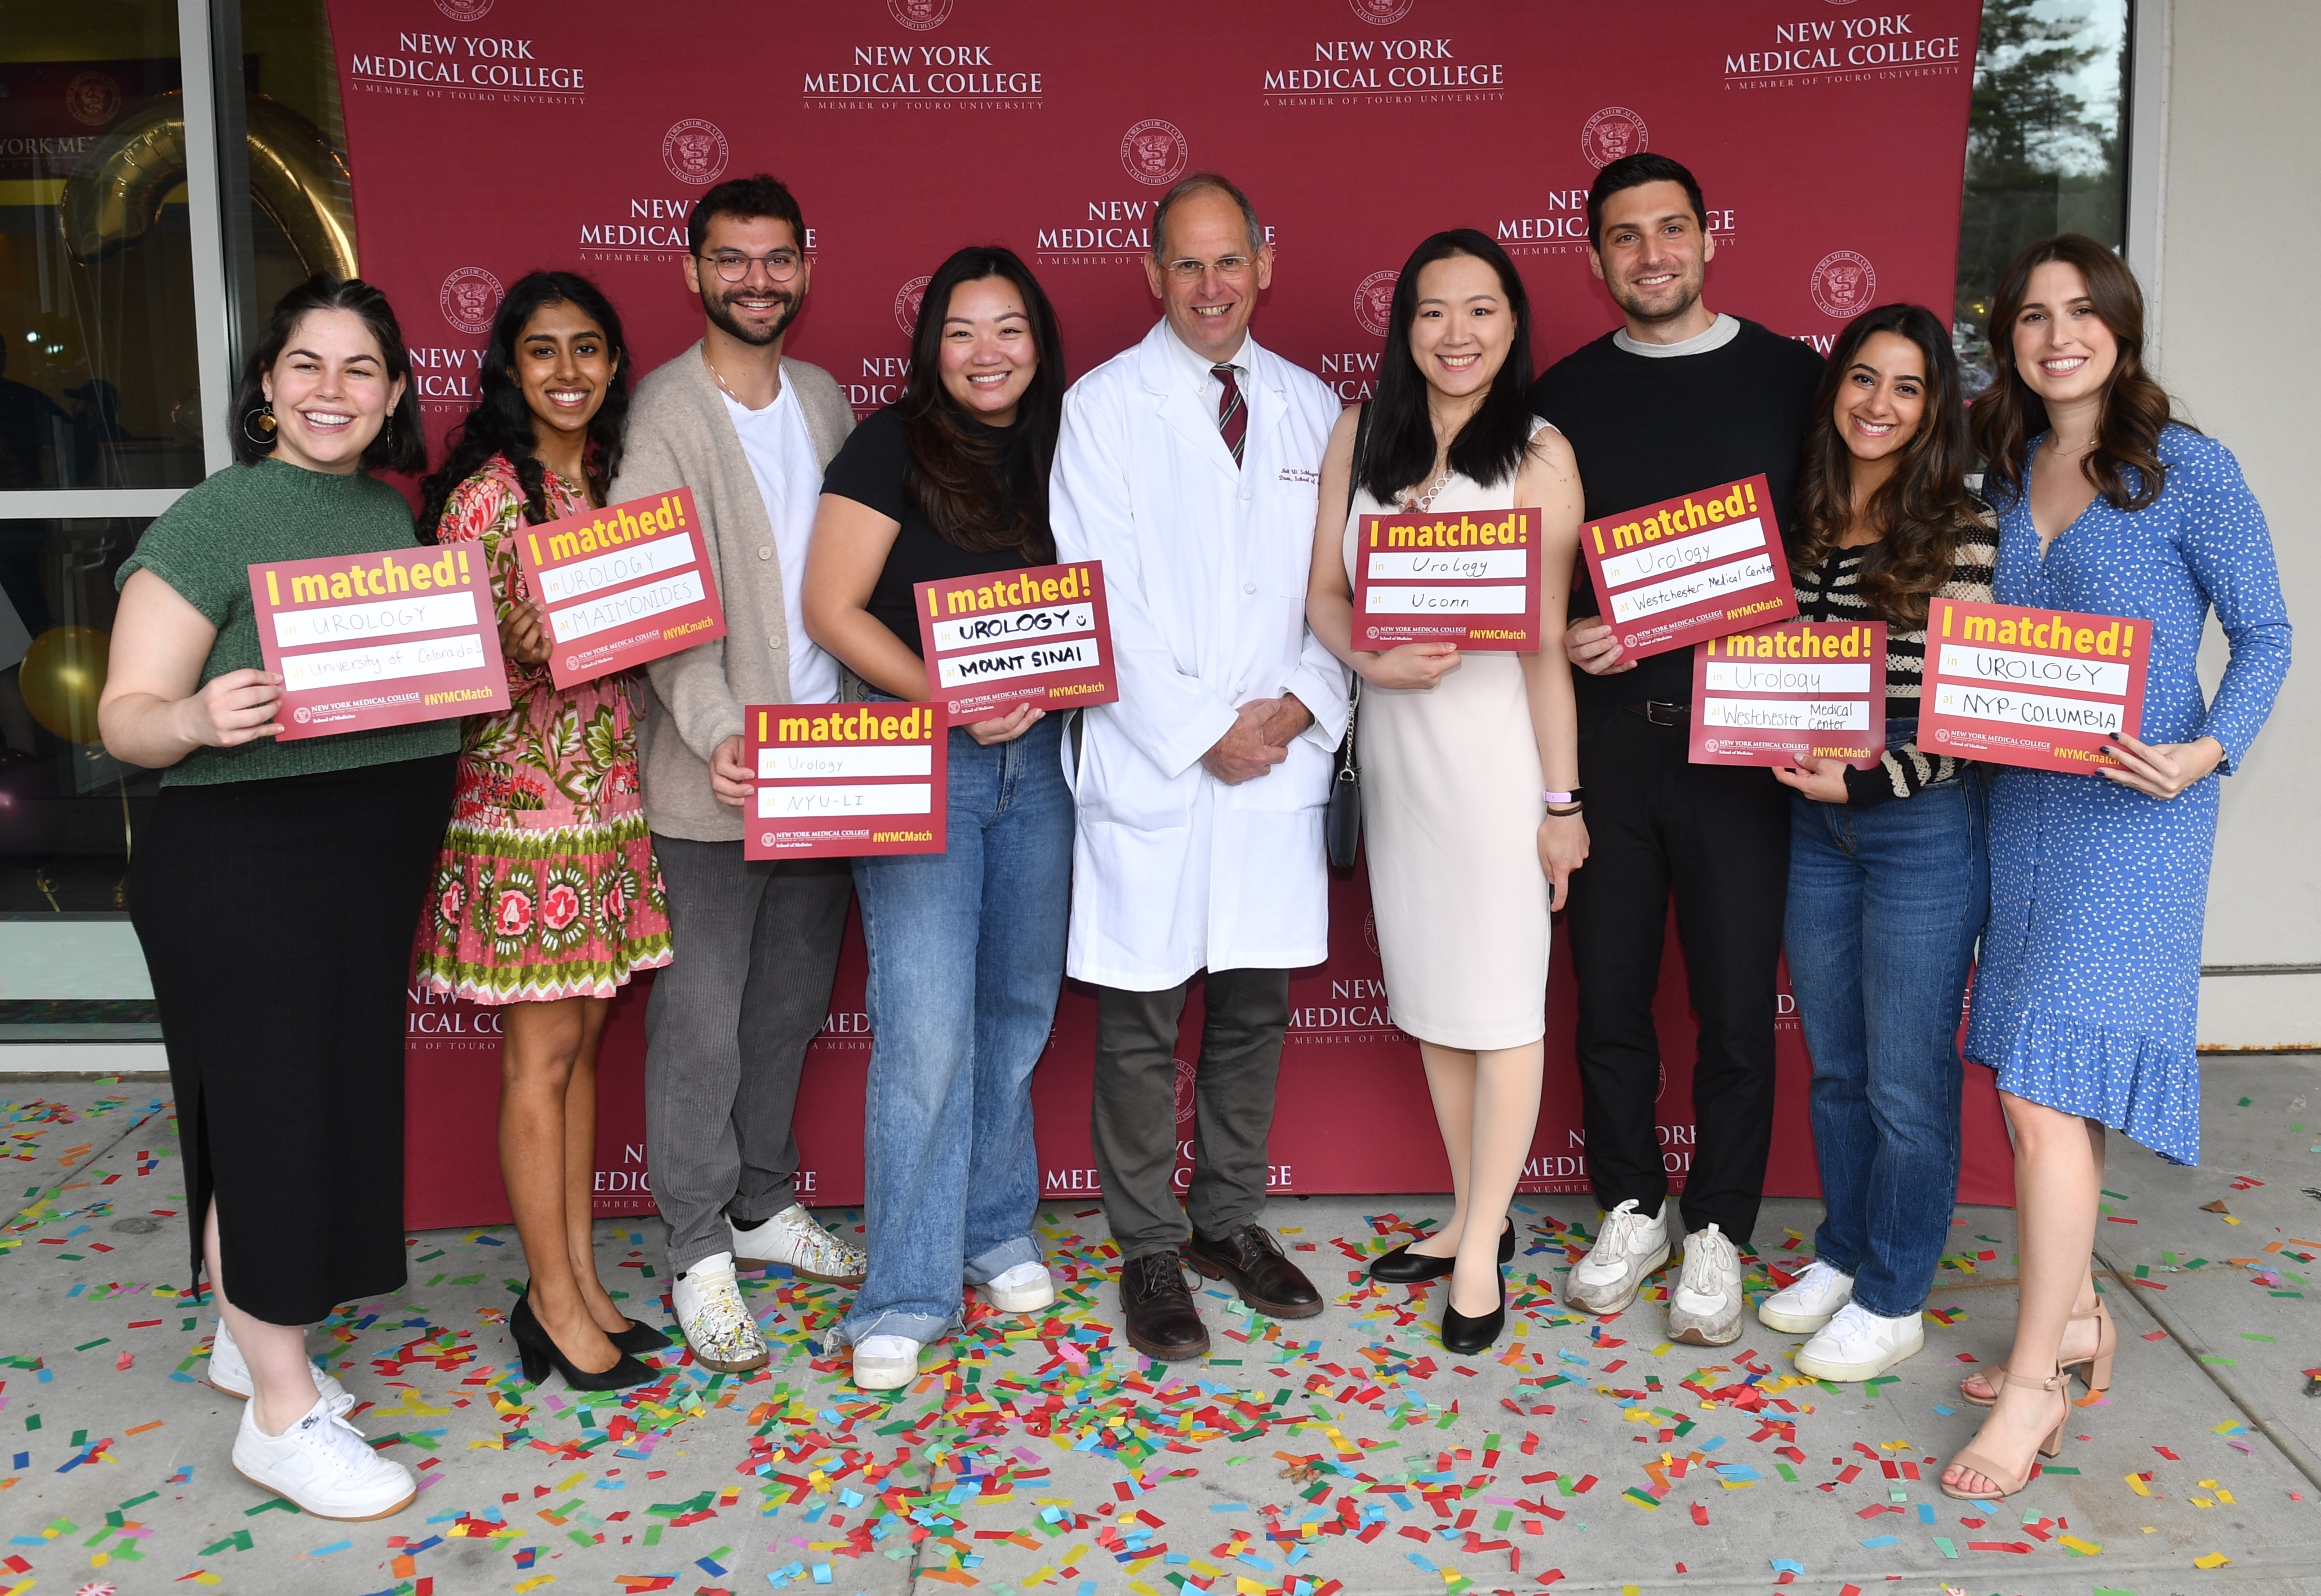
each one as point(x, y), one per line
point(400, 446)
point(955, 463)
point(1918, 511)
point(502, 423)
point(2008, 415)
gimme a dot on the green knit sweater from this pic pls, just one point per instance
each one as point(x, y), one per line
point(203, 546)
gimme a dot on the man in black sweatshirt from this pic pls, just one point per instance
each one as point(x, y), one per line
point(1676, 400)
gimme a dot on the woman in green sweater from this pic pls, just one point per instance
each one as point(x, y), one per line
point(294, 871)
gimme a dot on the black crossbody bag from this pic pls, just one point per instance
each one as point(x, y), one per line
point(1341, 821)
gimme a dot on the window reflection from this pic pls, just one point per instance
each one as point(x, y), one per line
point(98, 381)
point(2045, 149)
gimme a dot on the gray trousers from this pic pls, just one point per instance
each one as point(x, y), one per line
point(755, 948)
point(1134, 1115)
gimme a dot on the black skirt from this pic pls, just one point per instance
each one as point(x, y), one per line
point(277, 919)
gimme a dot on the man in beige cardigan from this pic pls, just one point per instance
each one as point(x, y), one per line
point(756, 943)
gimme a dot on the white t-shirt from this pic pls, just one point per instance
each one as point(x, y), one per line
point(789, 479)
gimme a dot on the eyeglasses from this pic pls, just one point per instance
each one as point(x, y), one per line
point(781, 265)
point(1190, 271)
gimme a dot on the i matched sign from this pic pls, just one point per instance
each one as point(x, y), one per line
point(1003, 639)
point(378, 639)
point(1464, 577)
point(841, 780)
point(1693, 567)
point(2042, 688)
point(622, 585)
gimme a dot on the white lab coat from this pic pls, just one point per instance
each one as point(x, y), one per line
point(1205, 569)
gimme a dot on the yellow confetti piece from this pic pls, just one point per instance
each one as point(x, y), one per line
point(2084, 1548)
point(2213, 1560)
point(2135, 1484)
point(534, 1583)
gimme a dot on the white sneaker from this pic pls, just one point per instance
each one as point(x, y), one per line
point(884, 1362)
point(1808, 1302)
point(230, 1373)
point(1024, 1289)
point(1704, 1308)
point(715, 1319)
point(1628, 1248)
point(323, 1466)
point(1859, 1344)
point(792, 1237)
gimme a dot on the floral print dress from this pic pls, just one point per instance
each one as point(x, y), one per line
point(546, 887)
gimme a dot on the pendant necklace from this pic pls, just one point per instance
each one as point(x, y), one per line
point(1419, 504)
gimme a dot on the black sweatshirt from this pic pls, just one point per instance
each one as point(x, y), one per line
point(1645, 428)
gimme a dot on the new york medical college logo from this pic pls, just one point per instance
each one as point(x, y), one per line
point(1843, 284)
point(923, 74)
point(469, 299)
point(1154, 152)
point(1612, 133)
point(696, 151)
point(390, 51)
point(1423, 66)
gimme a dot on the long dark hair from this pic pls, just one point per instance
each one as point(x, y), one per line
point(502, 423)
point(1917, 511)
point(2007, 415)
point(1399, 450)
point(956, 462)
point(400, 446)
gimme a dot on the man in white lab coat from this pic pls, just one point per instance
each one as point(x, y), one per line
point(1189, 465)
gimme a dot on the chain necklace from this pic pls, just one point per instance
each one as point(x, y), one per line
point(719, 377)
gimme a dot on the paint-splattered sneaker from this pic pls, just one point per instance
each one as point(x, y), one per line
point(716, 1322)
point(792, 1237)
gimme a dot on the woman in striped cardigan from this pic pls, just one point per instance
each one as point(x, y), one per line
point(1888, 877)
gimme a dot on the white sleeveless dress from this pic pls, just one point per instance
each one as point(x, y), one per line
point(1451, 816)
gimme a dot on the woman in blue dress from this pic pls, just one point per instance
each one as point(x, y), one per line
point(2089, 985)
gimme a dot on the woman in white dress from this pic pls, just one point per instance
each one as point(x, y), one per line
point(1469, 761)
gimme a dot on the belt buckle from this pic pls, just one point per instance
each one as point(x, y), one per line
point(1660, 713)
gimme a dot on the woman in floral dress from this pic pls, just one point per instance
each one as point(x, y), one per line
point(546, 897)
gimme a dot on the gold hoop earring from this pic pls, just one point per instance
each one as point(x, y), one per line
point(263, 415)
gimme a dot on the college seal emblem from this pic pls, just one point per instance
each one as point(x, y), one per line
point(695, 151)
point(1374, 302)
point(1380, 13)
point(469, 299)
point(920, 15)
point(906, 304)
point(1843, 284)
point(1154, 152)
point(1612, 133)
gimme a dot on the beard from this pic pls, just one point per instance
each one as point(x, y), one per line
point(1676, 302)
point(716, 308)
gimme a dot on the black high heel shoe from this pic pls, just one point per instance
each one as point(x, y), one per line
point(1462, 1334)
point(539, 1351)
point(640, 1339)
point(1403, 1267)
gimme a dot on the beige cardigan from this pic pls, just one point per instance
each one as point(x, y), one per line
point(680, 434)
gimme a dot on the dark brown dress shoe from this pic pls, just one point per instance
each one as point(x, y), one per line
point(1252, 1261)
point(1162, 1320)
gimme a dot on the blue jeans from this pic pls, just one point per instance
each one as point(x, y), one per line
point(1885, 905)
point(966, 956)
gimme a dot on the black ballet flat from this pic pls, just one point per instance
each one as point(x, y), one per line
point(1403, 1267)
point(640, 1339)
point(539, 1353)
point(1462, 1334)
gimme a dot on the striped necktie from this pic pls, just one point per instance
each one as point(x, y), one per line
point(1233, 416)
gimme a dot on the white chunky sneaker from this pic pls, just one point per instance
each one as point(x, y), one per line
point(1704, 1308)
point(884, 1362)
point(1628, 1248)
point(792, 1237)
point(1024, 1289)
point(323, 1466)
point(1808, 1302)
point(715, 1319)
point(1859, 1344)
point(230, 1373)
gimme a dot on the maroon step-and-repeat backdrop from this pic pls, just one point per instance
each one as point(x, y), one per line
point(491, 137)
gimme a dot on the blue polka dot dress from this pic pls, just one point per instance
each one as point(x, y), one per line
point(2088, 991)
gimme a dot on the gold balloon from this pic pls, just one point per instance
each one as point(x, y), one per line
point(62, 677)
point(295, 177)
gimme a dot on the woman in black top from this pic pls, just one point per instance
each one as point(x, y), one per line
point(967, 946)
point(1889, 877)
